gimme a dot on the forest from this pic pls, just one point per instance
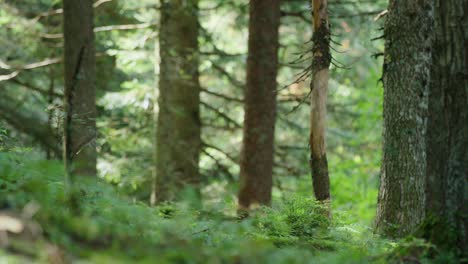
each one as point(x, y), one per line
point(233, 131)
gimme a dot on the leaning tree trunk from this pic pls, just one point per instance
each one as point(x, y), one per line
point(178, 139)
point(80, 107)
point(447, 141)
point(406, 79)
point(30, 123)
point(319, 89)
point(256, 166)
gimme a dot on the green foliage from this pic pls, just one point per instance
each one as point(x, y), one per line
point(4, 139)
point(127, 89)
point(111, 226)
point(298, 221)
point(116, 223)
point(297, 217)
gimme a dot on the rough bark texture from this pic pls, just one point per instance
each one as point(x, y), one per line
point(406, 79)
point(178, 140)
point(260, 104)
point(447, 134)
point(80, 77)
point(319, 91)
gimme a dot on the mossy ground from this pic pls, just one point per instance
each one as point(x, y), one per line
point(114, 228)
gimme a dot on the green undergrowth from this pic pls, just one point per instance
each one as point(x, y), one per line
point(113, 228)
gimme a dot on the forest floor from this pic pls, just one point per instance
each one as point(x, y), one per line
point(37, 226)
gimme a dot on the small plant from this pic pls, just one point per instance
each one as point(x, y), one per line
point(306, 217)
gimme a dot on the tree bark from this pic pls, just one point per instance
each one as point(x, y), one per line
point(406, 79)
point(256, 166)
point(319, 90)
point(447, 141)
point(80, 76)
point(50, 112)
point(178, 141)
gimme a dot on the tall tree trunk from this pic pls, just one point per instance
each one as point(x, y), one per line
point(319, 90)
point(178, 141)
point(256, 167)
point(406, 79)
point(447, 141)
point(50, 112)
point(80, 76)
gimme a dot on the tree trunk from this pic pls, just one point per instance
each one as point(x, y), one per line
point(447, 141)
point(319, 89)
point(406, 79)
point(80, 76)
point(256, 167)
point(178, 141)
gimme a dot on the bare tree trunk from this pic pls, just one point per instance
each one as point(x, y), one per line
point(408, 33)
point(260, 105)
point(50, 112)
point(80, 76)
point(447, 141)
point(178, 141)
point(319, 91)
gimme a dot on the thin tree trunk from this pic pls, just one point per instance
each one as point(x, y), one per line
point(178, 141)
point(319, 90)
point(256, 167)
point(50, 112)
point(406, 79)
point(80, 76)
point(447, 141)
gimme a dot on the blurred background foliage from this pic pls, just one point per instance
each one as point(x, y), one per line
point(127, 76)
